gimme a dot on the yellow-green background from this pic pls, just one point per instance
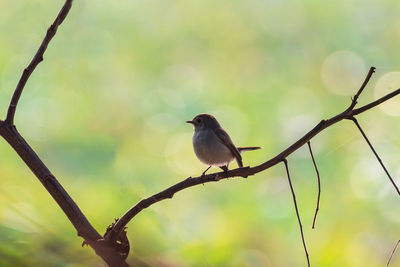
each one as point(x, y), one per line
point(106, 110)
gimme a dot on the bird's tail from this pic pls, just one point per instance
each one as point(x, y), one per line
point(248, 148)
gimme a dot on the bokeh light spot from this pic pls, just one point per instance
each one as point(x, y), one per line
point(342, 72)
point(179, 84)
point(387, 83)
point(180, 156)
point(366, 179)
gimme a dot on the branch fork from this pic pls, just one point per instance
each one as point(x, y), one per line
point(348, 114)
point(113, 247)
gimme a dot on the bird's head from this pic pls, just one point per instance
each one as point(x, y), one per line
point(204, 121)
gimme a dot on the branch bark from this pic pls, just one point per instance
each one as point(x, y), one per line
point(109, 252)
point(244, 172)
point(51, 31)
point(49, 181)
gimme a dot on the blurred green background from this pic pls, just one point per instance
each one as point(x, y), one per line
point(106, 110)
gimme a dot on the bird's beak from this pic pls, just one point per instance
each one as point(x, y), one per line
point(192, 122)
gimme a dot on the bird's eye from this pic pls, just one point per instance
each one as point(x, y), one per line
point(198, 120)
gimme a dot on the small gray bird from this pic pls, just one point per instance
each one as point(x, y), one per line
point(212, 144)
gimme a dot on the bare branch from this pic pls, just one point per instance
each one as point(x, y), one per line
point(376, 155)
point(109, 252)
point(51, 31)
point(354, 101)
point(297, 211)
point(391, 255)
point(49, 181)
point(240, 172)
point(319, 184)
point(106, 248)
point(56, 190)
point(375, 103)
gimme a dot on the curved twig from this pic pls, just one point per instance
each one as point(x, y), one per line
point(297, 212)
point(244, 171)
point(319, 183)
point(51, 31)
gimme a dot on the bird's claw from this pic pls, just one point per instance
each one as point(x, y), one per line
point(202, 178)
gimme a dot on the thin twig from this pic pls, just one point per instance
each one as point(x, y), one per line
point(375, 103)
point(319, 184)
point(376, 155)
point(297, 211)
point(51, 31)
point(354, 100)
point(391, 255)
point(240, 172)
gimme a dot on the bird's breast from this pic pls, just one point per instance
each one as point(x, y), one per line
point(209, 149)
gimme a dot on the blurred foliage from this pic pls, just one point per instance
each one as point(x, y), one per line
point(106, 111)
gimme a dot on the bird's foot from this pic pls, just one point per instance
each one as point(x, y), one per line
point(202, 178)
point(225, 169)
point(204, 174)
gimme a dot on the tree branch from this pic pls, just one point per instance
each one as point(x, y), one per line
point(391, 255)
point(51, 31)
point(355, 98)
point(376, 155)
point(319, 184)
point(49, 181)
point(56, 190)
point(297, 211)
point(375, 103)
point(109, 252)
point(107, 247)
point(244, 172)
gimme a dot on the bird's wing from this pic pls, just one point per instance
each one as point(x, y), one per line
point(226, 140)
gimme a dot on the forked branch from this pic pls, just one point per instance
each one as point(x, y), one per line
point(106, 247)
point(349, 113)
point(355, 98)
point(109, 253)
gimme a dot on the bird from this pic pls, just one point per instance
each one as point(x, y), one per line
point(212, 144)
